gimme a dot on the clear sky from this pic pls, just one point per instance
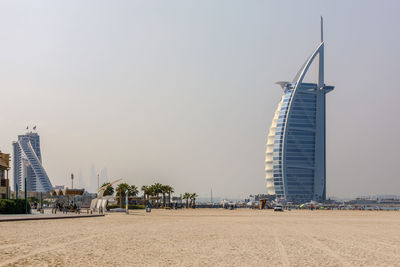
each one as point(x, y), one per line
point(183, 93)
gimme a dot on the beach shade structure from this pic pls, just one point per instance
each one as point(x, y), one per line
point(67, 192)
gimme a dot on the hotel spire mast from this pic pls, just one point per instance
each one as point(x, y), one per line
point(320, 61)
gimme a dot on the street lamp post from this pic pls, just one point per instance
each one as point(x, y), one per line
point(126, 201)
point(26, 197)
point(9, 186)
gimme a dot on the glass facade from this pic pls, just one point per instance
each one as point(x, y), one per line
point(300, 144)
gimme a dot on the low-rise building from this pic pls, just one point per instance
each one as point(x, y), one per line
point(4, 182)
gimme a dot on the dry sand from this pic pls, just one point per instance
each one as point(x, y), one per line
point(207, 237)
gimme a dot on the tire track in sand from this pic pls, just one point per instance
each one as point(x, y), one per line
point(282, 250)
point(39, 241)
point(44, 249)
point(318, 245)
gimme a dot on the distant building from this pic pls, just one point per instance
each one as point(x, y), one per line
point(295, 156)
point(28, 164)
point(4, 182)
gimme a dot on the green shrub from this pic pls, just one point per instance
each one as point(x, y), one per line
point(130, 207)
point(136, 207)
point(13, 206)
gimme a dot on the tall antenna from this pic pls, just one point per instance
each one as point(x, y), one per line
point(320, 62)
point(322, 29)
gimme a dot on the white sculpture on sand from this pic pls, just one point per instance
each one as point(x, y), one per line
point(99, 204)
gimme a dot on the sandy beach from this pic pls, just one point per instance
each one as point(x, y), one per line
point(207, 237)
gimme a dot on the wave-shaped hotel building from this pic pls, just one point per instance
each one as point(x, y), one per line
point(296, 146)
point(28, 164)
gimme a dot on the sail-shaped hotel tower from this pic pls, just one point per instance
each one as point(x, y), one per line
point(296, 146)
point(28, 164)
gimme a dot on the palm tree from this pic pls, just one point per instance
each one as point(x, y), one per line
point(133, 190)
point(193, 199)
point(164, 191)
point(109, 190)
point(170, 190)
point(186, 196)
point(151, 193)
point(146, 192)
point(157, 190)
point(121, 188)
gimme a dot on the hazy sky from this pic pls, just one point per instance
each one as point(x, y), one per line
point(183, 92)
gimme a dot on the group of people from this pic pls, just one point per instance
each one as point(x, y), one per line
point(65, 207)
